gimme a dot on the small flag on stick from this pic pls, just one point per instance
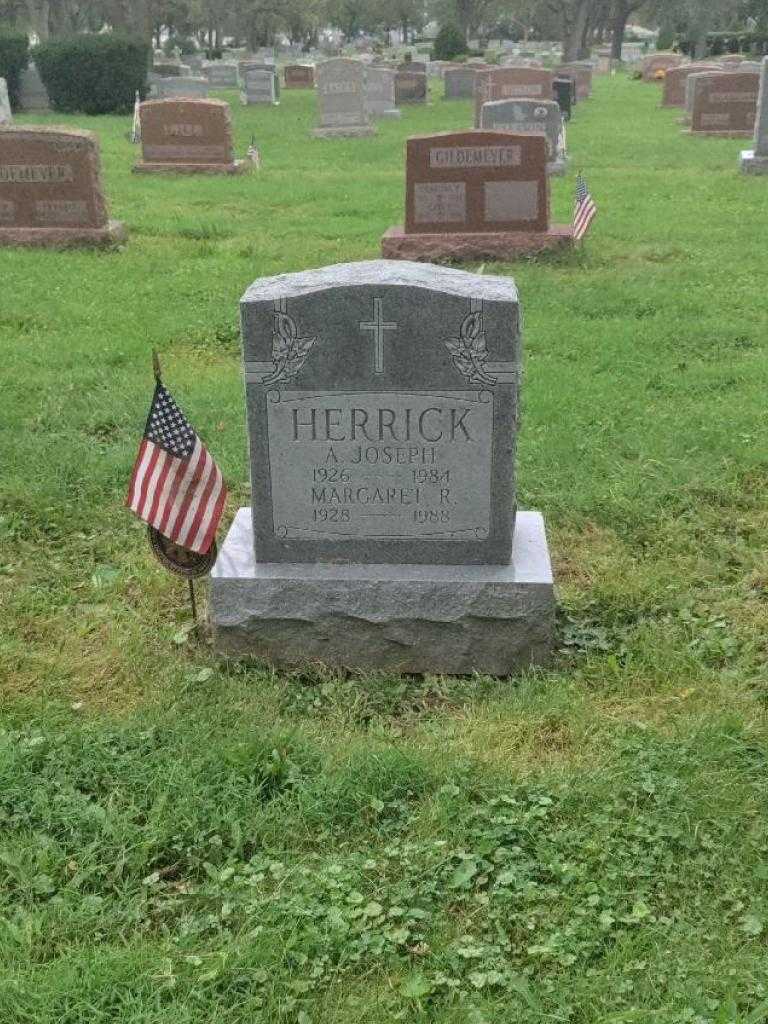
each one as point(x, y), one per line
point(176, 487)
point(136, 129)
point(584, 210)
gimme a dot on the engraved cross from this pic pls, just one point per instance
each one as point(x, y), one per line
point(377, 326)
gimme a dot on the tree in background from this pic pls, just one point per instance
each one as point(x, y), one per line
point(449, 43)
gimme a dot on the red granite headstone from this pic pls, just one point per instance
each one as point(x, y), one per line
point(472, 194)
point(187, 137)
point(299, 76)
point(50, 189)
point(581, 75)
point(726, 103)
point(509, 83)
point(660, 62)
point(675, 79)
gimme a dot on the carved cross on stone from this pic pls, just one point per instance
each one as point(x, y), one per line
point(377, 326)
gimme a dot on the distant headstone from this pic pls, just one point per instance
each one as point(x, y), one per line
point(582, 76)
point(341, 99)
point(478, 194)
point(32, 92)
point(244, 66)
point(187, 137)
point(380, 92)
point(182, 86)
point(418, 66)
point(166, 68)
point(299, 76)
point(526, 116)
point(511, 83)
point(656, 65)
point(673, 94)
point(459, 83)
point(564, 94)
point(755, 161)
point(222, 76)
point(5, 104)
point(725, 103)
point(259, 86)
point(410, 86)
point(195, 64)
point(51, 193)
point(382, 406)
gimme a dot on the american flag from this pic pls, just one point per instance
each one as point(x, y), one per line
point(176, 486)
point(584, 211)
point(136, 128)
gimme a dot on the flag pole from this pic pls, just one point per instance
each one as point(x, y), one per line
point(192, 601)
point(156, 366)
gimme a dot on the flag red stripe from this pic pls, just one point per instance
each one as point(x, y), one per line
point(200, 514)
point(135, 474)
point(171, 489)
point(154, 455)
point(178, 489)
point(151, 483)
point(184, 493)
point(197, 495)
point(158, 489)
point(201, 525)
point(206, 540)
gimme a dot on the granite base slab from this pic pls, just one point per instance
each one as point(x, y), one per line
point(344, 132)
point(397, 244)
point(64, 238)
point(752, 164)
point(238, 167)
point(718, 135)
point(453, 620)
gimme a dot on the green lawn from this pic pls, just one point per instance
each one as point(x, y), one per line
point(184, 843)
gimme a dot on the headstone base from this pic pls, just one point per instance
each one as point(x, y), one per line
point(393, 114)
point(238, 167)
point(751, 164)
point(396, 244)
point(718, 135)
point(350, 131)
point(557, 168)
point(64, 238)
point(450, 619)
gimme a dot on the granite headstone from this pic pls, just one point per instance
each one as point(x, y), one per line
point(299, 76)
point(526, 116)
point(383, 410)
point(341, 99)
point(410, 86)
point(673, 94)
point(187, 137)
point(477, 194)
point(258, 86)
point(380, 92)
point(51, 193)
point(755, 160)
point(459, 83)
point(222, 76)
point(5, 104)
point(182, 87)
point(511, 83)
point(725, 103)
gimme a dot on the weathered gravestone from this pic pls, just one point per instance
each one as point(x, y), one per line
point(410, 86)
point(32, 93)
point(187, 137)
point(755, 161)
point(511, 83)
point(383, 410)
point(245, 66)
point(259, 86)
point(673, 94)
point(5, 104)
point(526, 116)
point(182, 87)
point(725, 103)
point(222, 76)
point(581, 74)
point(299, 76)
point(380, 92)
point(690, 86)
point(341, 99)
point(656, 65)
point(50, 189)
point(475, 195)
point(459, 83)
point(167, 68)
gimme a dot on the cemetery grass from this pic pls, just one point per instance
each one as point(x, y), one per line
point(184, 841)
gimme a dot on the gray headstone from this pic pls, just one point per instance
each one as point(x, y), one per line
point(341, 98)
point(5, 104)
point(33, 94)
point(459, 83)
point(259, 86)
point(526, 116)
point(380, 92)
point(182, 86)
point(410, 86)
point(382, 405)
point(222, 76)
point(755, 161)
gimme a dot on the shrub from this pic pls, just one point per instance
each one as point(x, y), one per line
point(94, 74)
point(449, 43)
point(14, 57)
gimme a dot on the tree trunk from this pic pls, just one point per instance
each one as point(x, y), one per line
point(620, 18)
point(574, 23)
